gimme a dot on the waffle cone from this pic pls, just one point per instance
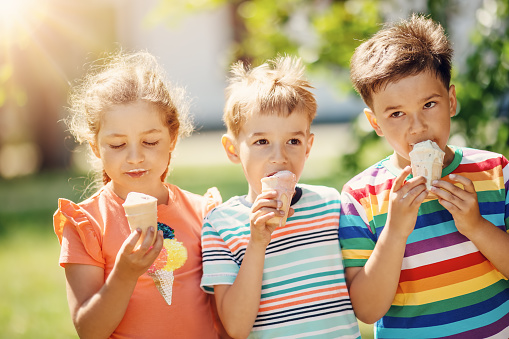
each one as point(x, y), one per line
point(164, 283)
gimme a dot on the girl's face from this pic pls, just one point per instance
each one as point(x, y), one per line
point(134, 146)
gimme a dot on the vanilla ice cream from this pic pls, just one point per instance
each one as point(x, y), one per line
point(141, 212)
point(427, 160)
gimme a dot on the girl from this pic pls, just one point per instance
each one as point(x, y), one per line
point(132, 119)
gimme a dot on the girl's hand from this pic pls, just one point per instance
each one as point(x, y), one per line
point(132, 262)
point(460, 202)
point(265, 207)
point(404, 202)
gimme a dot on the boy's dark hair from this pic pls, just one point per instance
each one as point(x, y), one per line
point(399, 50)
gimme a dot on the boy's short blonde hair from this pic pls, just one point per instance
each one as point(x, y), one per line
point(275, 87)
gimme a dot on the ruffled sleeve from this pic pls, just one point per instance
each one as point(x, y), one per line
point(212, 199)
point(80, 239)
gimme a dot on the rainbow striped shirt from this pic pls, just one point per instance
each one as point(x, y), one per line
point(447, 288)
point(303, 290)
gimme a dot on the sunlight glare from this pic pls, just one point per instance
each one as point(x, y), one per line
point(13, 11)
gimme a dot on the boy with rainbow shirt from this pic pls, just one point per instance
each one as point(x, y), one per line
point(423, 265)
point(273, 281)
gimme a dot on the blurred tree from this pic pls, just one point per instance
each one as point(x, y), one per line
point(42, 45)
point(326, 32)
point(483, 86)
point(323, 32)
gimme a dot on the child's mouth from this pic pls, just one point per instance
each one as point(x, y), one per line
point(137, 173)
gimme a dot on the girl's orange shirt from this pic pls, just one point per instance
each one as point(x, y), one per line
point(92, 233)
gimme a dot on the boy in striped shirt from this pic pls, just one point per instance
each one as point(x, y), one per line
point(268, 281)
point(423, 265)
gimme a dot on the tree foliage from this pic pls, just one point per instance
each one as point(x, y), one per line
point(325, 33)
point(483, 86)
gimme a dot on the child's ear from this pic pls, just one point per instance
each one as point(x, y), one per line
point(95, 149)
point(453, 102)
point(230, 149)
point(372, 121)
point(173, 144)
point(310, 144)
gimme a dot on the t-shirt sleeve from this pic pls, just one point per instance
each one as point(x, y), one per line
point(355, 236)
point(80, 240)
point(505, 170)
point(219, 266)
point(212, 199)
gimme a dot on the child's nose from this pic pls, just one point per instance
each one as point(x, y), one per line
point(418, 125)
point(135, 155)
point(279, 154)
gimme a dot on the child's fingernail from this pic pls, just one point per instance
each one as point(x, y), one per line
point(434, 182)
point(452, 176)
point(279, 204)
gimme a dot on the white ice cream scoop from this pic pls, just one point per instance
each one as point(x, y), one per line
point(427, 160)
point(141, 212)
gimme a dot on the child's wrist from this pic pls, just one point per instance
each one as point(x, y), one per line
point(395, 235)
point(256, 246)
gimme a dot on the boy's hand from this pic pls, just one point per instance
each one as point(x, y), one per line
point(461, 203)
point(404, 201)
point(265, 207)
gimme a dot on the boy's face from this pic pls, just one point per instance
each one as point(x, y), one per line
point(411, 110)
point(269, 143)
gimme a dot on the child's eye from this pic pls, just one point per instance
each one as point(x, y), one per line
point(294, 142)
point(430, 104)
point(396, 114)
point(261, 142)
point(151, 143)
point(117, 146)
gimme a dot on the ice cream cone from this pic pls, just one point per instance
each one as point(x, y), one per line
point(284, 183)
point(173, 255)
point(427, 160)
point(164, 283)
point(141, 212)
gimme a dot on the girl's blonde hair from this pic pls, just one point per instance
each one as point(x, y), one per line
point(123, 78)
point(275, 87)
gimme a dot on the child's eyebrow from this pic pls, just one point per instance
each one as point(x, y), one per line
point(434, 95)
point(299, 133)
point(119, 135)
point(257, 134)
point(153, 130)
point(428, 98)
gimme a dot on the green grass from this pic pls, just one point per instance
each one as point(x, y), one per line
point(32, 288)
